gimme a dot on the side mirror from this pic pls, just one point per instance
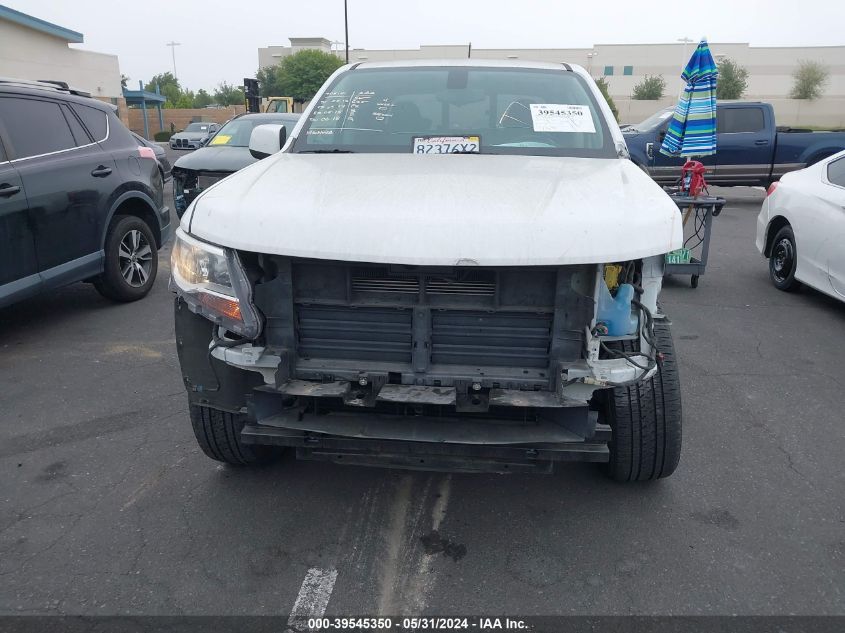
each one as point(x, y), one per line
point(266, 140)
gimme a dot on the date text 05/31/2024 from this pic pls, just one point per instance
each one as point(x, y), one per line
point(418, 624)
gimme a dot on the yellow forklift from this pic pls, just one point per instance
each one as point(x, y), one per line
point(277, 104)
point(254, 102)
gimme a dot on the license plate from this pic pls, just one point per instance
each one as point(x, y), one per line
point(446, 145)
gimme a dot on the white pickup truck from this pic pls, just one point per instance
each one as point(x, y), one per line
point(443, 265)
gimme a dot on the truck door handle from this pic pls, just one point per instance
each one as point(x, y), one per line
point(101, 172)
point(649, 150)
point(761, 142)
point(7, 190)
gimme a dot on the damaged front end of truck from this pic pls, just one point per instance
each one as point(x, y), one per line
point(430, 367)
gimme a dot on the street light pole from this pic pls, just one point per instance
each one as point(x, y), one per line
point(346, 30)
point(173, 46)
point(685, 40)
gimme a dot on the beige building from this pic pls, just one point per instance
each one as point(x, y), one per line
point(769, 68)
point(623, 65)
point(31, 48)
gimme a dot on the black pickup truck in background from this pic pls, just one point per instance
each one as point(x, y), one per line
point(750, 149)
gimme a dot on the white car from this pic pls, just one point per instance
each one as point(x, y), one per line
point(801, 228)
point(443, 265)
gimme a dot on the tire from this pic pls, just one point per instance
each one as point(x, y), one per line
point(219, 435)
point(131, 262)
point(645, 419)
point(783, 260)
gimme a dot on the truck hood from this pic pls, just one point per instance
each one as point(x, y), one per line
point(446, 210)
point(216, 158)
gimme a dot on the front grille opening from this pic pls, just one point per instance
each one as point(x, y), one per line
point(468, 284)
point(445, 319)
point(386, 280)
point(382, 279)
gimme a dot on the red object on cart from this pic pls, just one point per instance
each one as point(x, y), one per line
point(692, 178)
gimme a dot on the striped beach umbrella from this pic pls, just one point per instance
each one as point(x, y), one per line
point(692, 131)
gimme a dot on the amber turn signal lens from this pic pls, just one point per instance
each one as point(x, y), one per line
point(227, 307)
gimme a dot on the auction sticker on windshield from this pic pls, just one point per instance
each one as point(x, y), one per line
point(220, 139)
point(446, 144)
point(560, 117)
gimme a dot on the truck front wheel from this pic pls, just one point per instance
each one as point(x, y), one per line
point(645, 419)
point(219, 435)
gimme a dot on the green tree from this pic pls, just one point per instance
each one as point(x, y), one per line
point(651, 87)
point(810, 79)
point(227, 94)
point(300, 75)
point(169, 86)
point(733, 80)
point(185, 100)
point(269, 84)
point(604, 87)
point(202, 99)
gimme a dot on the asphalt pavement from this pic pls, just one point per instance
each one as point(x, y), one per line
point(107, 506)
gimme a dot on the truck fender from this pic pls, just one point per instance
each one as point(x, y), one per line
point(814, 154)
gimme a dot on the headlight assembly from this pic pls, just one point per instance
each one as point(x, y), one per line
point(212, 282)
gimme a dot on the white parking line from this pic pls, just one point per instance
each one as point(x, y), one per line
point(313, 597)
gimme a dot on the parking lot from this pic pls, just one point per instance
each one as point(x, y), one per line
point(108, 506)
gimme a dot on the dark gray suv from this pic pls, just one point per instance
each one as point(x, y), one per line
point(79, 198)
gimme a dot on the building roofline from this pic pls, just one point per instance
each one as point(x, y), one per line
point(813, 46)
point(322, 40)
point(37, 24)
point(565, 48)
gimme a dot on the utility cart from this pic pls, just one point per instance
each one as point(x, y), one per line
point(698, 212)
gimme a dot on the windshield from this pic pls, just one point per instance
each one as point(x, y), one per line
point(197, 127)
point(236, 132)
point(457, 110)
point(653, 121)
